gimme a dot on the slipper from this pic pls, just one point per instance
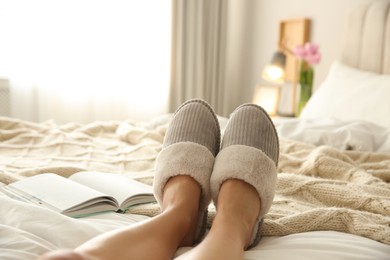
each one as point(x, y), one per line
point(249, 152)
point(190, 145)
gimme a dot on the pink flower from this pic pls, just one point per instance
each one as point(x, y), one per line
point(313, 59)
point(311, 48)
point(300, 51)
point(308, 52)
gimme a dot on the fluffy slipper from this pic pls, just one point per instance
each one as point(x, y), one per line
point(249, 152)
point(190, 144)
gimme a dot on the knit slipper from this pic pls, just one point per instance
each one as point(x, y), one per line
point(249, 152)
point(190, 145)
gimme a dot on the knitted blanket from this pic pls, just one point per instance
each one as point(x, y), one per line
point(323, 188)
point(318, 188)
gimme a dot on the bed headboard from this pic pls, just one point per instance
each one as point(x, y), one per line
point(366, 43)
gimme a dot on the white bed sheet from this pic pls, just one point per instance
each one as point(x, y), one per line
point(315, 245)
point(28, 231)
point(354, 135)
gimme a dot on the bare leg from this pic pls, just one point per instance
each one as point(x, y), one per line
point(156, 238)
point(238, 207)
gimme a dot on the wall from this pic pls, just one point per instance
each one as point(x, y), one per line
point(326, 28)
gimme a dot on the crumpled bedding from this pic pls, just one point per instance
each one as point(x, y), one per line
point(354, 135)
point(319, 187)
point(126, 147)
point(324, 188)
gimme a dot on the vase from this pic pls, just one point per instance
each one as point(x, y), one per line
point(305, 84)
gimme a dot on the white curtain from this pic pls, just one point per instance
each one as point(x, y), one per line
point(214, 42)
point(86, 60)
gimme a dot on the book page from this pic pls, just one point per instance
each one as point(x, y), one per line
point(56, 191)
point(117, 186)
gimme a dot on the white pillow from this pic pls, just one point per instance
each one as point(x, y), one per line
point(349, 94)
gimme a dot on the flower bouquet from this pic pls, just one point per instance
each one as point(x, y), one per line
point(308, 55)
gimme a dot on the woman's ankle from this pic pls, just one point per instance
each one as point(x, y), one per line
point(181, 190)
point(238, 205)
point(181, 200)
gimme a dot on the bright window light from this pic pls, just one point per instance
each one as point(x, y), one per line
point(104, 48)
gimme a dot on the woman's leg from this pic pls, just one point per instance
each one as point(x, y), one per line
point(156, 238)
point(230, 234)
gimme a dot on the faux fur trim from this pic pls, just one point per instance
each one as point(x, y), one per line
point(250, 165)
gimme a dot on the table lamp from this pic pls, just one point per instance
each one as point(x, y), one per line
point(274, 71)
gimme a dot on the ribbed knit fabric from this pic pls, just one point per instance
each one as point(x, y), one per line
point(250, 125)
point(194, 121)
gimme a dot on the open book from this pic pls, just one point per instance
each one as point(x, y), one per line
point(81, 194)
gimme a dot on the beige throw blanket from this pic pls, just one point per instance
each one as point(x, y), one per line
point(319, 188)
point(322, 188)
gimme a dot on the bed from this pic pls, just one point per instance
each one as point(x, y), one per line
point(333, 192)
